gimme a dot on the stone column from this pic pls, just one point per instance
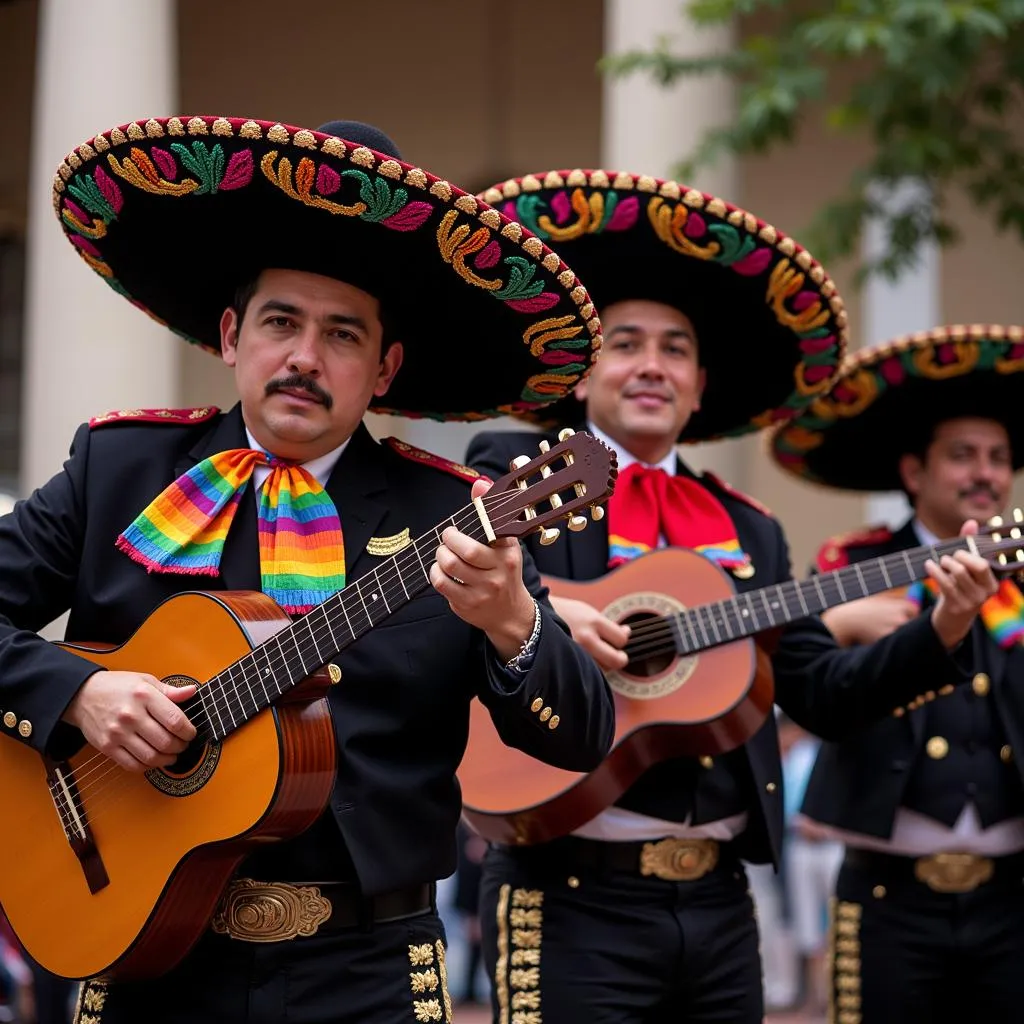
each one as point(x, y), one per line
point(890, 308)
point(650, 129)
point(99, 64)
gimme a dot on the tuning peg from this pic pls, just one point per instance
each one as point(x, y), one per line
point(577, 523)
point(1018, 515)
point(1015, 532)
point(996, 521)
point(556, 501)
point(1001, 559)
point(545, 446)
point(565, 432)
point(518, 462)
point(997, 537)
point(596, 513)
point(549, 535)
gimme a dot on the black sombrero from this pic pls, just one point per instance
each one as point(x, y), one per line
point(176, 213)
point(772, 327)
point(853, 436)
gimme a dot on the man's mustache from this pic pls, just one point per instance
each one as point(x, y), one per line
point(980, 489)
point(295, 382)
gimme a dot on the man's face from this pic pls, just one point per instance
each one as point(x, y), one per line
point(967, 473)
point(647, 382)
point(307, 360)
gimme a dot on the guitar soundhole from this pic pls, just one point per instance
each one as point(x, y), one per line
point(194, 765)
point(645, 665)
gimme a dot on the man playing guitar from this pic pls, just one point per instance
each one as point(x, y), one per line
point(715, 324)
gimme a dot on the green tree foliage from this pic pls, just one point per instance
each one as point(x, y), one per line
point(936, 85)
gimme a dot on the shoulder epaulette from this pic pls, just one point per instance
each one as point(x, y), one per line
point(179, 416)
point(833, 553)
point(414, 454)
point(738, 495)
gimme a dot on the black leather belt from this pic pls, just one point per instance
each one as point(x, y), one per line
point(254, 911)
point(940, 872)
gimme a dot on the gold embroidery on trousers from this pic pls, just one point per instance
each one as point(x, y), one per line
point(424, 982)
point(92, 995)
point(844, 962)
point(517, 971)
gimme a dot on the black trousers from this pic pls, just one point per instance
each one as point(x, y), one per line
point(573, 942)
point(391, 974)
point(903, 954)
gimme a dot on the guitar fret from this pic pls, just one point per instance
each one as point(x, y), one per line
point(711, 622)
point(839, 585)
point(767, 609)
point(312, 636)
point(821, 593)
point(330, 629)
point(860, 579)
point(885, 573)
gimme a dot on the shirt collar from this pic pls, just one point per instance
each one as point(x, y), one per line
point(626, 459)
point(320, 467)
point(924, 535)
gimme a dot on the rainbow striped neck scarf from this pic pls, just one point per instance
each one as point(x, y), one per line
point(302, 553)
point(1002, 614)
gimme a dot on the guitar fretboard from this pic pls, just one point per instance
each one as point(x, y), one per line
point(754, 611)
point(255, 681)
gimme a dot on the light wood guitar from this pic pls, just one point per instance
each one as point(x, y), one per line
point(697, 682)
point(109, 872)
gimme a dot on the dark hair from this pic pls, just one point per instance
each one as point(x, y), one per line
point(245, 291)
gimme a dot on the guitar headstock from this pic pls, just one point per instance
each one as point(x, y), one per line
point(577, 473)
point(1001, 543)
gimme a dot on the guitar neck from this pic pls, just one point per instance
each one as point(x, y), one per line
point(755, 611)
point(230, 698)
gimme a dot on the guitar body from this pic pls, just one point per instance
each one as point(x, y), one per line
point(666, 705)
point(167, 841)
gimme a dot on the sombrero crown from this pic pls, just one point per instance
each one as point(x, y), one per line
point(770, 324)
point(176, 213)
point(884, 396)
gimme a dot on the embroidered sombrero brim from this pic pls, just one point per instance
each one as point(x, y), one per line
point(885, 396)
point(176, 213)
point(770, 324)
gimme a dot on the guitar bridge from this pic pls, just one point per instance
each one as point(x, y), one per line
point(60, 777)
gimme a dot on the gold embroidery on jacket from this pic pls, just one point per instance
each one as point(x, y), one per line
point(386, 546)
point(442, 969)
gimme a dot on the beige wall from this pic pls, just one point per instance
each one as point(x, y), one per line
point(476, 95)
point(462, 89)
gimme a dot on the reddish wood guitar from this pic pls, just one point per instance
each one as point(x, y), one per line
point(109, 872)
point(697, 682)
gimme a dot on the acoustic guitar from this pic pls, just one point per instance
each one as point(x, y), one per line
point(114, 873)
point(696, 684)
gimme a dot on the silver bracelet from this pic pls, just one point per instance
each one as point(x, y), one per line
point(529, 644)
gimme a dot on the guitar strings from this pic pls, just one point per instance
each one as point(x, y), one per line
point(100, 767)
point(654, 633)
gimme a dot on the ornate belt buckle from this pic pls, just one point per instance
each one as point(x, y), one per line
point(269, 911)
point(679, 860)
point(953, 872)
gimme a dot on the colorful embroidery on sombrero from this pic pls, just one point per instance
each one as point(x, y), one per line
point(689, 232)
point(1002, 613)
point(861, 386)
point(183, 530)
point(204, 167)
